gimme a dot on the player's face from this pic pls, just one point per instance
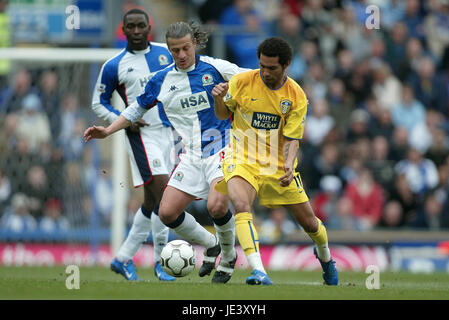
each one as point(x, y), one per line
point(182, 50)
point(136, 30)
point(272, 71)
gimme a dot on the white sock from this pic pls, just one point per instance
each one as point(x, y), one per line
point(255, 261)
point(226, 237)
point(192, 231)
point(323, 252)
point(160, 236)
point(139, 232)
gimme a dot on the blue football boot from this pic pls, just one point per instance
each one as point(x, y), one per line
point(161, 274)
point(126, 269)
point(258, 277)
point(330, 274)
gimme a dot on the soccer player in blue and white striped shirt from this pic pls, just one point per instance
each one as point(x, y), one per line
point(185, 92)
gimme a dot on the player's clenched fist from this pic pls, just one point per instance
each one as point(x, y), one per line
point(220, 90)
point(95, 132)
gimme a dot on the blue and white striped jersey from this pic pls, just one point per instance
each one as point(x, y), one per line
point(187, 101)
point(128, 72)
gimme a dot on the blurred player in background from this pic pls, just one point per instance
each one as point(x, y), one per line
point(184, 90)
point(268, 110)
point(148, 146)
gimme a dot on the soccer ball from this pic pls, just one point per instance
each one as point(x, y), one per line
point(178, 258)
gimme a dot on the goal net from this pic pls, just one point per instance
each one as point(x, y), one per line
point(56, 191)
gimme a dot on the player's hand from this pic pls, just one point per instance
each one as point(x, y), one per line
point(220, 90)
point(135, 127)
point(95, 132)
point(287, 178)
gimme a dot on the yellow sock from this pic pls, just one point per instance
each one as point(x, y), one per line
point(246, 232)
point(319, 237)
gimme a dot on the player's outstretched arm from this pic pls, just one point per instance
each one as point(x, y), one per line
point(99, 132)
point(219, 92)
point(290, 151)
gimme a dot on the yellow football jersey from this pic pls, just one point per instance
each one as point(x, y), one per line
point(262, 117)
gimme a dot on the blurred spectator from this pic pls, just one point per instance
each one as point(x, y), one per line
point(430, 216)
point(351, 168)
point(326, 162)
point(404, 195)
point(421, 173)
point(53, 220)
point(343, 217)
point(409, 112)
point(399, 144)
point(396, 46)
point(36, 189)
point(54, 169)
point(103, 194)
point(436, 26)
point(439, 149)
point(243, 25)
point(360, 82)
point(319, 122)
point(289, 27)
point(51, 100)
point(414, 19)
point(410, 62)
point(380, 165)
point(315, 80)
point(77, 205)
point(351, 34)
point(324, 202)
point(5, 190)
point(392, 216)
point(382, 124)
point(17, 162)
point(358, 126)
point(367, 199)
point(386, 87)
point(316, 19)
point(17, 217)
point(11, 97)
point(210, 10)
point(340, 103)
point(33, 124)
point(426, 85)
point(277, 227)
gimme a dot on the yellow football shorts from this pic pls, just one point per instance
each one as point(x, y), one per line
point(269, 191)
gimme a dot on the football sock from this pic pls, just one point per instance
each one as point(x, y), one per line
point(160, 234)
point(225, 228)
point(320, 239)
point(249, 239)
point(139, 232)
point(188, 228)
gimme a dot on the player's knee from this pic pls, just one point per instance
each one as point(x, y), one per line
point(166, 215)
point(310, 225)
point(217, 209)
point(241, 206)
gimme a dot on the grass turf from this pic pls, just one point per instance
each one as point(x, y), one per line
point(49, 283)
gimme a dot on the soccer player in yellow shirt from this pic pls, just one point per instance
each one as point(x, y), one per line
point(268, 112)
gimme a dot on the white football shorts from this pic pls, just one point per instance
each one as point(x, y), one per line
point(195, 177)
point(150, 153)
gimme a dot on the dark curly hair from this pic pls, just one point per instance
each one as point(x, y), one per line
point(180, 29)
point(276, 47)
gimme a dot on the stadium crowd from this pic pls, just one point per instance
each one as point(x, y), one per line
point(376, 146)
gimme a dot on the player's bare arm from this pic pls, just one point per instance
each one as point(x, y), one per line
point(219, 92)
point(99, 132)
point(289, 151)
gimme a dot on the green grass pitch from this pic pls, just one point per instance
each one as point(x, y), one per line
point(98, 283)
